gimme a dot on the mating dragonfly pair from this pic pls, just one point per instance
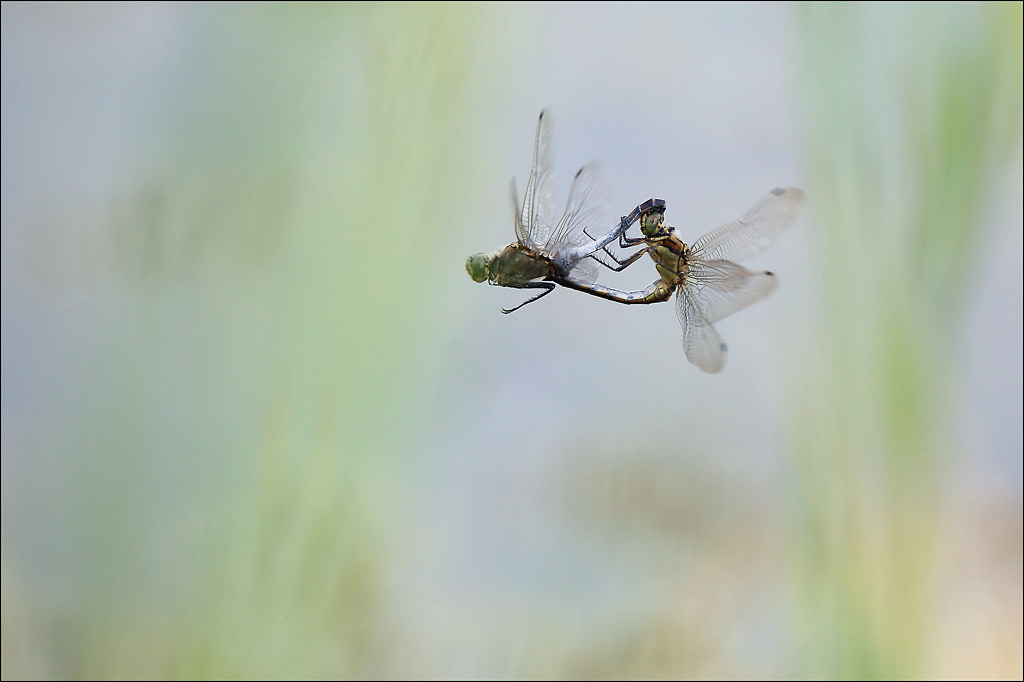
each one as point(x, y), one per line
point(708, 284)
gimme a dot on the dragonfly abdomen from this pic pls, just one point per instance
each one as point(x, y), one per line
point(655, 293)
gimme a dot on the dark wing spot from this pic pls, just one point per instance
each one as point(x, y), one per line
point(722, 347)
point(778, 191)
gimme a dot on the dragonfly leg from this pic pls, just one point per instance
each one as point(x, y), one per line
point(626, 242)
point(548, 287)
point(622, 264)
point(656, 293)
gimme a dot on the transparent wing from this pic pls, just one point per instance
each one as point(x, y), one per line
point(701, 343)
point(521, 234)
point(539, 197)
point(585, 270)
point(754, 231)
point(719, 288)
point(588, 208)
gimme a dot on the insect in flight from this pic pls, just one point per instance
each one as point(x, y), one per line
point(707, 282)
point(547, 252)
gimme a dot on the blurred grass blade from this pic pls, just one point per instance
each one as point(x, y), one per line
point(914, 110)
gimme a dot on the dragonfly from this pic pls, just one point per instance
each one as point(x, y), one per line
point(548, 251)
point(709, 285)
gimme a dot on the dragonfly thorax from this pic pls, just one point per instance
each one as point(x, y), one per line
point(670, 255)
point(517, 264)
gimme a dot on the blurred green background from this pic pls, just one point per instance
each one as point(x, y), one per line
point(257, 421)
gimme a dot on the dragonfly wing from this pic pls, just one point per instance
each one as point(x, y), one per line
point(588, 208)
point(754, 231)
point(720, 287)
point(539, 196)
point(585, 270)
point(521, 234)
point(701, 342)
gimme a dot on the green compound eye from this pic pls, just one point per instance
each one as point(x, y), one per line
point(476, 266)
point(651, 222)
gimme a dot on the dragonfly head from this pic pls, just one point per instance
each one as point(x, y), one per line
point(651, 221)
point(476, 266)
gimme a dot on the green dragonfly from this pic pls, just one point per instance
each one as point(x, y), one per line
point(707, 282)
point(547, 251)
